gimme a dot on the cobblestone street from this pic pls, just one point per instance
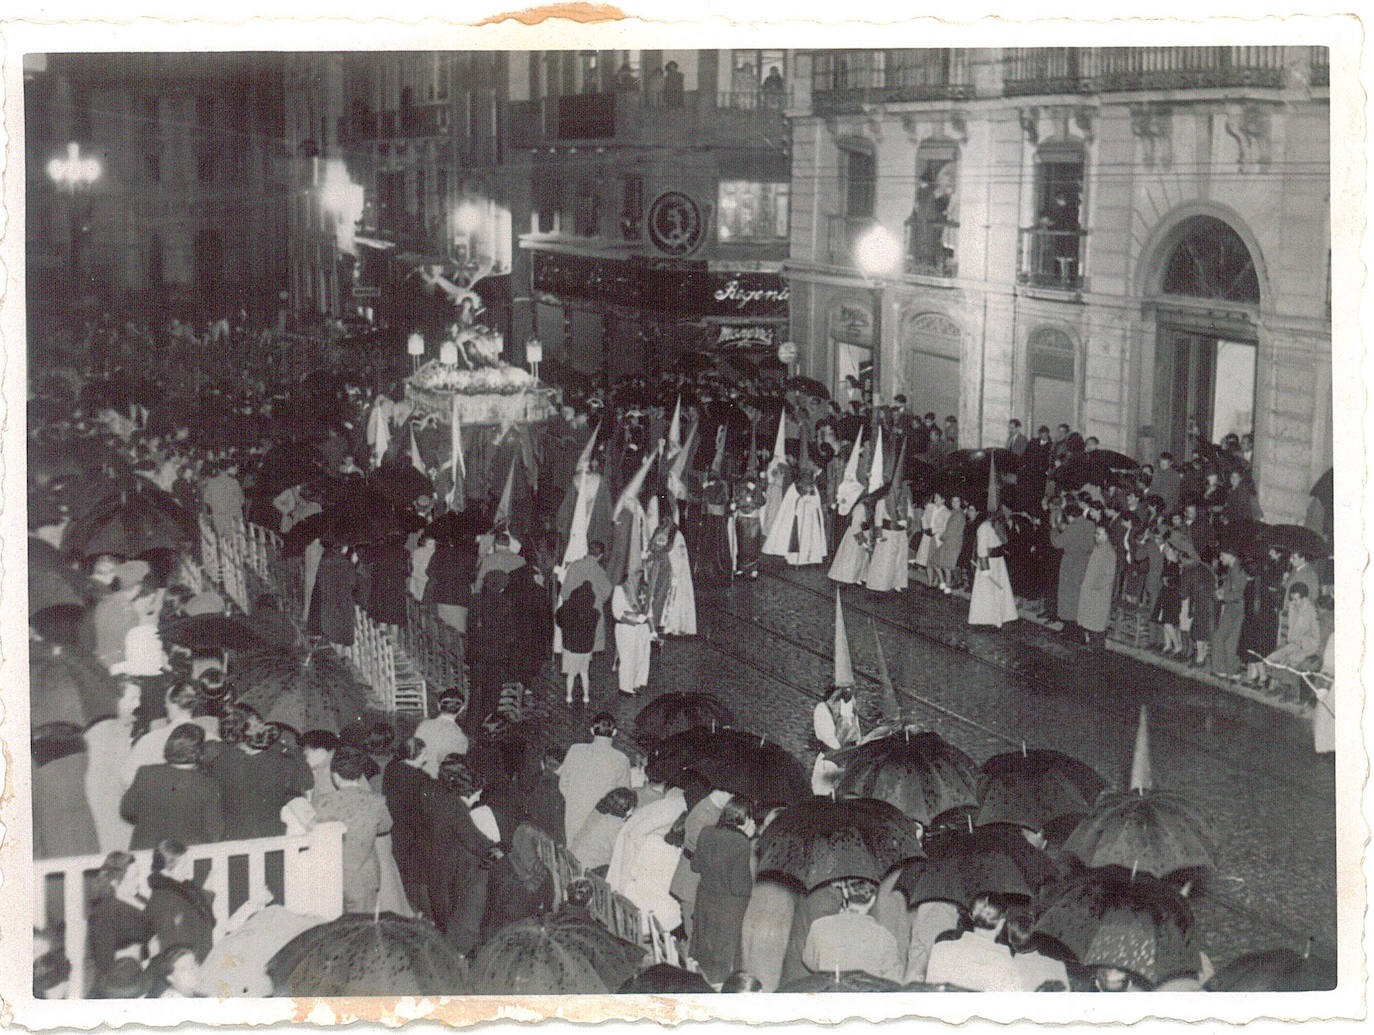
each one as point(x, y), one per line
point(765, 648)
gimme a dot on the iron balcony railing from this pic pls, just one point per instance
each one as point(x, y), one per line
point(1050, 258)
point(842, 234)
point(1041, 70)
point(847, 80)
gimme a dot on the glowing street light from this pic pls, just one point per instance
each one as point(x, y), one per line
point(343, 201)
point(467, 217)
point(877, 253)
point(74, 170)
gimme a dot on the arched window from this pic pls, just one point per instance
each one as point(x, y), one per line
point(1052, 362)
point(931, 346)
point(1211, 261)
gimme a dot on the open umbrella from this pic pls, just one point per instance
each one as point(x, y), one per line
point(401, 483)
point(823, 840)
point(1275, 970)
point(70, 686)
point(360, 955)
point(553, 955)
point(959, 865)
point(59, 624)
point(1296, 538)
point(1154, 832)
point(1099, 466)
point(665, 979)
point(285, 465)
point(1033, 788)
point(842, 981)
point(808, 385)
point(237, 964)
point(1244, 538)
point(918, 771)
point(128, 521)
point(213, 632)
point(1140, 926)
point(52, 581)
point(306, 690)
point(735, 761)
point(675, 712)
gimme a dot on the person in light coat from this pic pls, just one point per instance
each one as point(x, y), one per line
point(589, 772)
point(992, 601)
point(1095, 592)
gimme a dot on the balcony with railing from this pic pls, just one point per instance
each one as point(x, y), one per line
point(1051, 70)
point(1050, 258)
point(842, 234)
point(927, 254)
point(845, 81)
point(1319, 68)
point(734, 118)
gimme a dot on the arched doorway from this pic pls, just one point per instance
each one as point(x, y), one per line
point(931, 347)
point(1206, 351)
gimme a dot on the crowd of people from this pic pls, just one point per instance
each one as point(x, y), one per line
point(142, 740)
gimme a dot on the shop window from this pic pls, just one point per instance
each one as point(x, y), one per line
point(752, 211)
point(1052, 364)
point(932, 230)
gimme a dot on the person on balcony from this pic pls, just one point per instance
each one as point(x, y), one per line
point(773, 87)
point(674, 85)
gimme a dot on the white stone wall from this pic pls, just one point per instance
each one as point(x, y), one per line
point(1263, 171)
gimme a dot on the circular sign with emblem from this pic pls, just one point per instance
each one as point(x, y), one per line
point(675, 223)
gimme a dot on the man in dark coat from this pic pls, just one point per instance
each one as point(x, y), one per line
point(335, 593)
point(389, 568)
point(531, 615)
point(459, 859)
point(490, 645)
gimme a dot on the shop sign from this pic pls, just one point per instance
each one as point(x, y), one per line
point(675, 223)
point(747, 294)
point(745, 336)
point(852, 323)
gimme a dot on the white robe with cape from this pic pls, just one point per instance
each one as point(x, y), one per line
point(798, 529)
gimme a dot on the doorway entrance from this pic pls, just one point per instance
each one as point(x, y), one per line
point(1205, 382)
point(1205, 355)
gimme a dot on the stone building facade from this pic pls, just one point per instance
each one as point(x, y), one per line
point(1128, 241)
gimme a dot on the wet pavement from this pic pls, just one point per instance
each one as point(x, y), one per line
point(765, 648)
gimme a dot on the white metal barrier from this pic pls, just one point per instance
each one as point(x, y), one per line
point(313, 882)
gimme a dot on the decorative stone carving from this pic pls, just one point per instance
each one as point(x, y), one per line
point(1153, 124)
point(1250, 127)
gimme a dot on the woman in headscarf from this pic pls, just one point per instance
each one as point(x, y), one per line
point(520, 885)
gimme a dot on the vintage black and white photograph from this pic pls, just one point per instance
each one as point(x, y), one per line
point(517, 522)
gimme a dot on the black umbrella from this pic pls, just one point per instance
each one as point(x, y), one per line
point(1032, 788)
point(675, 712)
point(401, 483)
point(808, 385)
point(1140, 926)
point(285, 465)
point(128, 521)
point(1151, 832)
point(1275, 970)
point(1100, 467)
point(1223, 461)
point(664, 979)
point(52, 581)
point(213, 632)
point(823, 840)
point(59, 624)
point(553, 955)
point(1296, 538)
point(844, 981)
point(734, 761)
point(1244, 537)
point(918, 771)
point(961, 864)
point(358, 955)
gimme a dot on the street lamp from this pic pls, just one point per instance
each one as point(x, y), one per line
point(877, 253)
point(70, 173)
